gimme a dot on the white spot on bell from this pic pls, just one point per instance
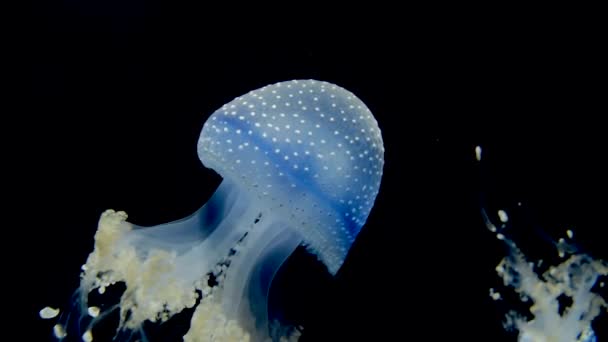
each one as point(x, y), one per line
point(502, 216)
point(59, 331)
point(48, 313)
point(87, 336)
point(478, 153)
point(93, 311)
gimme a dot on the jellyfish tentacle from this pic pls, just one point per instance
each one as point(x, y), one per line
point(248, 280)
point(223, 208)
point(574, 278)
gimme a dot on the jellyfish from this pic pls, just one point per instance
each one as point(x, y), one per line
point(563, 301)
point(301, 163)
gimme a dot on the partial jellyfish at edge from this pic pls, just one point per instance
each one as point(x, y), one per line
point(576, 278)
point(301, 163)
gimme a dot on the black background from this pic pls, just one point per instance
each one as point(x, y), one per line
point(119, 93)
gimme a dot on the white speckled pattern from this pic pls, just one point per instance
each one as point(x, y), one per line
point(310, 148)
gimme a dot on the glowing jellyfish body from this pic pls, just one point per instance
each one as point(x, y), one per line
point(301, 163)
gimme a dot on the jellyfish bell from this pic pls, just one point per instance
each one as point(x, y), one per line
point(301, 164)
point(310, 151)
